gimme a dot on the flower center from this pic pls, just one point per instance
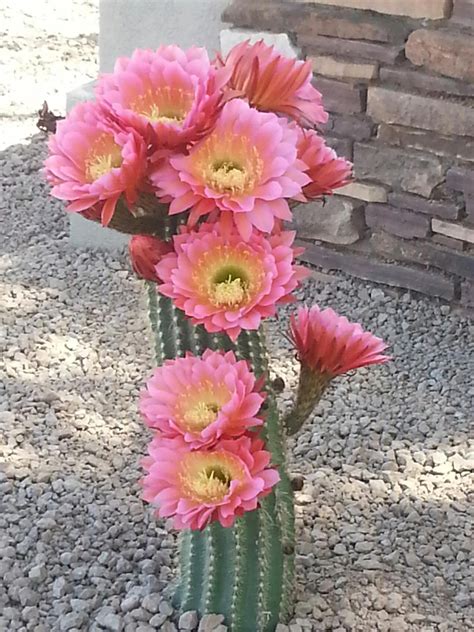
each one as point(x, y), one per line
point(163, 105)
point(201, 415)
point(199, 405)
point(229, 287)
point(104, 155)
point(227, 176)
point(213, 481)
point(229, 292)
point(207, 477)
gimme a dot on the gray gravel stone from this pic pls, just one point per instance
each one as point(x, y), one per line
point(72, 621)
point(109, 620)
point(210, 622)
point(188, 620)
point(38, 573)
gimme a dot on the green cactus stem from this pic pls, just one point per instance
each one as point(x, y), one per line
point(311, 387)
point(245, 572)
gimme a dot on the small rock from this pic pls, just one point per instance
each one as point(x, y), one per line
point(419, 457)
point(130, 603)
point(209, 622)
point(38, 573)
point(165, 608)
point(369, 564)
point(363, 546)
point(348, 618)
point(340, 549)
point(377, 487)
point(393, 602)
point(28, 597)
point(188, 620)
point(152, 602)
point(60, 587)
point(72, 620)
point(438, 458)
point(443, 468)
point(158, 620)
point(326, 586)
point(460, 464)
point(109, 619)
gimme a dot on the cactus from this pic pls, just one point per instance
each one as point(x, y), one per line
point(244, 572)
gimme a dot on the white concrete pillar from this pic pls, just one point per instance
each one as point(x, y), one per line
point(129, 24)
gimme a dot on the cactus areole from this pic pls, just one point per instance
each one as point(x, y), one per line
point(200, 161)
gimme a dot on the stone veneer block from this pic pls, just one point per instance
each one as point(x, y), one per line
point(467, 293)
point(352, 127)
point(443, 208)
point(230, 37)
point(343, 68)
point(447, 52)
point(414, 172)
point(337, 220)
point(352, 25)
point(456, 147)
point(267, 15)
point(432, 9)
point(456, 231)
point(304, 19)
point(423, 253)
point(363, 191)
point(426, 282)
point(463, 12)
point(341, 97)
point(470, 207)
point(425, 82)
point(354, 49)
point(397, 221)
point(410, 110)
point(448, 242)
point(342, 146)
point(129, 24)
point(461, 179)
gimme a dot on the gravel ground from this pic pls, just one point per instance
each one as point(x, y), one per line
point(384, 524)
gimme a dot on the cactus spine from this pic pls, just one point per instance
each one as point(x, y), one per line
point(244, 572)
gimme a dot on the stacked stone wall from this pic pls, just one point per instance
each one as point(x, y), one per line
point(398, 79)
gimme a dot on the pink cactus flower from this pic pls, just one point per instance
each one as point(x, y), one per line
point(226, 284)
point(326, 170)
point(92, 161)
point(245, 167)
point(202, 399)
point(145, 252)
point(174, 92)
point(330, 345)
point(274, 83)
point(198, 487)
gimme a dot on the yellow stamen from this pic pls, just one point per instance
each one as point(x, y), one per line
point(201, 415)
point(230, 292)
point(207, 477)
point(100, 165)
point(164, 105)
point(212, 483)
point(104, 155)
point(228, 177)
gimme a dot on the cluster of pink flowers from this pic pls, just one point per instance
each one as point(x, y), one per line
point(229, 144)
point(206, 461)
